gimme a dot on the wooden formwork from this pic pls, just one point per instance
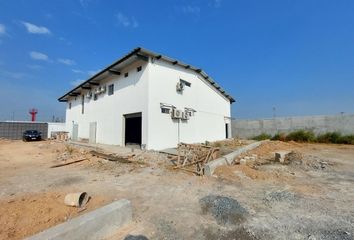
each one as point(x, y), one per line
point(193, 157)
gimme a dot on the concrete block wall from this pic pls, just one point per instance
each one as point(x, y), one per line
point(318, 124)
point(14, 130)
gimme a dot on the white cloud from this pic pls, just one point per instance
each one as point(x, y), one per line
point(77, 71)
point(126, 21)
point(34, 66)
point(84, 3)
point(66, 61)
point(65, 41)
point(2, 29)
point(191, 9)
point(91, 73)
point(12, 75)
point(31, 28)
point(48, 15)
point(216, 3)
point(77, 82)
point(38, 56)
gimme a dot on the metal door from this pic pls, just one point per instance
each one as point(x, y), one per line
point(75, 134)
point(92, 134)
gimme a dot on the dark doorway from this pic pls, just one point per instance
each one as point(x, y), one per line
point(133, 129)
point(227, 130)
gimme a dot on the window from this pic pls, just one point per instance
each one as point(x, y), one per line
point(185, 83)
point(126, 74)
point(94, 97)
point(138, 69)
point(111, 89)
point(82, 104)
point(69, 105)
point(165, 110)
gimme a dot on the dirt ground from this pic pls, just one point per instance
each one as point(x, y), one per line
point(311, 198)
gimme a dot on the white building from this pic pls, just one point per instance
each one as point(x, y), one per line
point(151, 100)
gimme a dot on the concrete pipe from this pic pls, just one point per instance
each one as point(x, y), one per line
point(76, 199)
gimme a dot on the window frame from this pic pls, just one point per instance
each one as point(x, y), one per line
point(82, 104)
point(110, 89)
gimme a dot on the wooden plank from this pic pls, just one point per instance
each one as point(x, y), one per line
point(68, 163)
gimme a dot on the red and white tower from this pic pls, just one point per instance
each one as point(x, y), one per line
point(33, 113)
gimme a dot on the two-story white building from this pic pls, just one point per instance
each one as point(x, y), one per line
point(148, 99)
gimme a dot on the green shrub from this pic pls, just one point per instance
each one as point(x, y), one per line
point(279, 137)
point(330, 137)
point(346, 139)
point(301, 136)
point(262, 136)
point(309, 136)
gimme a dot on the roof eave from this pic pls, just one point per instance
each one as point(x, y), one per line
point(157, 56)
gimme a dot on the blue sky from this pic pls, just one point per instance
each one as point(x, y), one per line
point(296, 56)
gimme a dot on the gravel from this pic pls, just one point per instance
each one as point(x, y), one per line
point(225, 210)
point(308, 162)
point(280, 196)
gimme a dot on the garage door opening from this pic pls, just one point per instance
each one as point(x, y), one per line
point(133, 129)
point(226, 130)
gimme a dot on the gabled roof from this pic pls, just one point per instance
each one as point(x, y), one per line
point(139, 54)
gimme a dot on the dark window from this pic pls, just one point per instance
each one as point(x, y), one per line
point(110, 89)
point(185, 83)
point(82, 104)
point(165, 110)
point(138, 69)
point(126, 74)
point(94, 97)
point(69, 105)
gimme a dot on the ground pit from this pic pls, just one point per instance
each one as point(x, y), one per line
point(310, 197)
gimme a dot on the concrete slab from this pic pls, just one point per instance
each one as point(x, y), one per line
point(228, 159)
point(97, 224)
point(211, 166)
point(171, 151)
point(115, 149)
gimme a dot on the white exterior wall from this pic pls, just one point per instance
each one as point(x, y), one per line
point(143, 92)
point(130, 96)
point(208, 122)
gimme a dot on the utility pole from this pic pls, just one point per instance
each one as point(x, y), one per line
point(274, 112)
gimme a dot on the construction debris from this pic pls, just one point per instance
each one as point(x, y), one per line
point(243, 161)
point(112, 157)
point(60, 136)
point(193, 157)
point(280, 156)
point(79, 199)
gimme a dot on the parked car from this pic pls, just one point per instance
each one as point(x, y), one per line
point(31, 135)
